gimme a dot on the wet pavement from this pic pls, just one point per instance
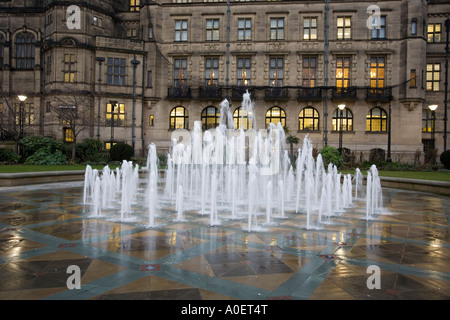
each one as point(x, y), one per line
point(44, 229)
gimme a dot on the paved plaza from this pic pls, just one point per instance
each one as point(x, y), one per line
point(44, 229)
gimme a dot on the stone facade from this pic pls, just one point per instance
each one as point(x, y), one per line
point(277, 47)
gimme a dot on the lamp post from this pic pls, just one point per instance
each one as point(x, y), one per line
point(447, 51)
point(99, 60)
point(22, 99)
point(113, 115)
point(341, 116)
point(135, 63)
point(433, 108)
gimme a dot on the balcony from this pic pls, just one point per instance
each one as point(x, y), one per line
point(212, 92)
point(379, 94)
point(309, 94)
point(237, 92)
point(347, 94)
point(179, 93)
point(276, 94)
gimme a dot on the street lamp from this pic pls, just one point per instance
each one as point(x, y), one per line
point(22, 99)
point(433, 108)
point(341, 116)
point(135, 63)
point(113, 116)
point(99, 60)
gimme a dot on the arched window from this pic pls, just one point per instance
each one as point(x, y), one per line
point(308, 119)
point(179, 118)
point(25, 50)
point(342, 120)
point(242, 118)
point(376, 120)
point(275, 115)
point(210, 118)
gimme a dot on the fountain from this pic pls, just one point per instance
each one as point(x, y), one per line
point(234, 174)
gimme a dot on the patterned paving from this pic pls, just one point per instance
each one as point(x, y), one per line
point(45, 229)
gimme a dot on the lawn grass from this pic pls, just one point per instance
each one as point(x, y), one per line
point(423, 175)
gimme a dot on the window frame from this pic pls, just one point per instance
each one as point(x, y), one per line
point(246, 31)
point(371, 119)
point(181, 30)
point(244, 71)
point(215, 117)
point(173, 117)
point(269, 116)
point(315, 118)
point(277, 32)
point(276, 78)
point(116, 71)
point(242, 119)
point(433, 77)
point(344, 29)
point(347, 120)
point(307, 36)
point(431, 35)
point(25, 43)
point(115, 116)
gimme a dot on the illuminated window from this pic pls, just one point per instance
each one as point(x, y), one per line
point(434, 32)
point(433, 76)
point(308, 119)
point(179, 118)
point(25, 115)
point(151, 120)
point(342, 120)
point(115, 115)
point(377, 74)
point(210, 118)
point(275, 115)
point(69, 68)
point(68, 135)
point(309, 71)
point(242, 119)
point(344, 28)
point(244, 71)
point(134, 5)
point(343, 72)
point(212, 71)
point(309, 28)
point(276, 72)
point(376, 120)
point(427, 120)
point(179, 72)
point(412, 78)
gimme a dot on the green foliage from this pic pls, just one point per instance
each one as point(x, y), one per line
point(31, 144)
point(121, 151)
point(331, 155)
point(90, 151)
point(445, 159)
point(9, 156)
point(44, 157)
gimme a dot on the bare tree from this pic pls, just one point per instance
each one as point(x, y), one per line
point(75, 112)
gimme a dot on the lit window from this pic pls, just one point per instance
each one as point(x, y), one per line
point(342, 120)
point(344, 28)
point(275, 115)
point(309, 28)
point(134, 5)
point(433, 76)
point(69, 68)
point(242, 119)
point(179, 118)
point(308, 119)
point(115, 115)
point(210, 118)
point(376, 120)
point(434, 32)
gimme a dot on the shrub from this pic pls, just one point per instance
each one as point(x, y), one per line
point(445, 159)
point(31, 144)
point(121, 151)
point(331, 155)
point(90, 150)
point(9, 156)
point(44, 157)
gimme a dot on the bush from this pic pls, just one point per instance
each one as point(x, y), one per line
point(331, 155)
point(445, 159)
point(121, 151)
point(90, 150)
point(32, 144)
point(9, 156)
point(44, 157)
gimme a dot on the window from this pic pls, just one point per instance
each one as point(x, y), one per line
point(308, 119)
point(377, 66)
point(115, 115)
point(342, 120)
point(25, 114)
point(434, 32)
point(427, 120)
point(49, 19)
point(433, 76)
point(211, 71)
point(210, 118)
point(116, 68)
point(68, 135)
point(376, 120)
point(277, 29)
point(151, 120)
point(342, 72)
point(69, 68)
point(212, 29)
point(276, 73)
point(150, 33)
point(412, 78)
point(132, 33)
point(96, 21)
point(179, 72)
point(381, 32)
point(413, 27)
point(309, 28)
point(179, 118)
point(25, 50)
point(309, 72)
point(181, 30)
point(2, 49)
point(275, 115)
point(244, 29)
point(344, 28)
point(244, 71)
point(243, 119)
point(149, 79)
point(109, 144)
point(134, 5)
